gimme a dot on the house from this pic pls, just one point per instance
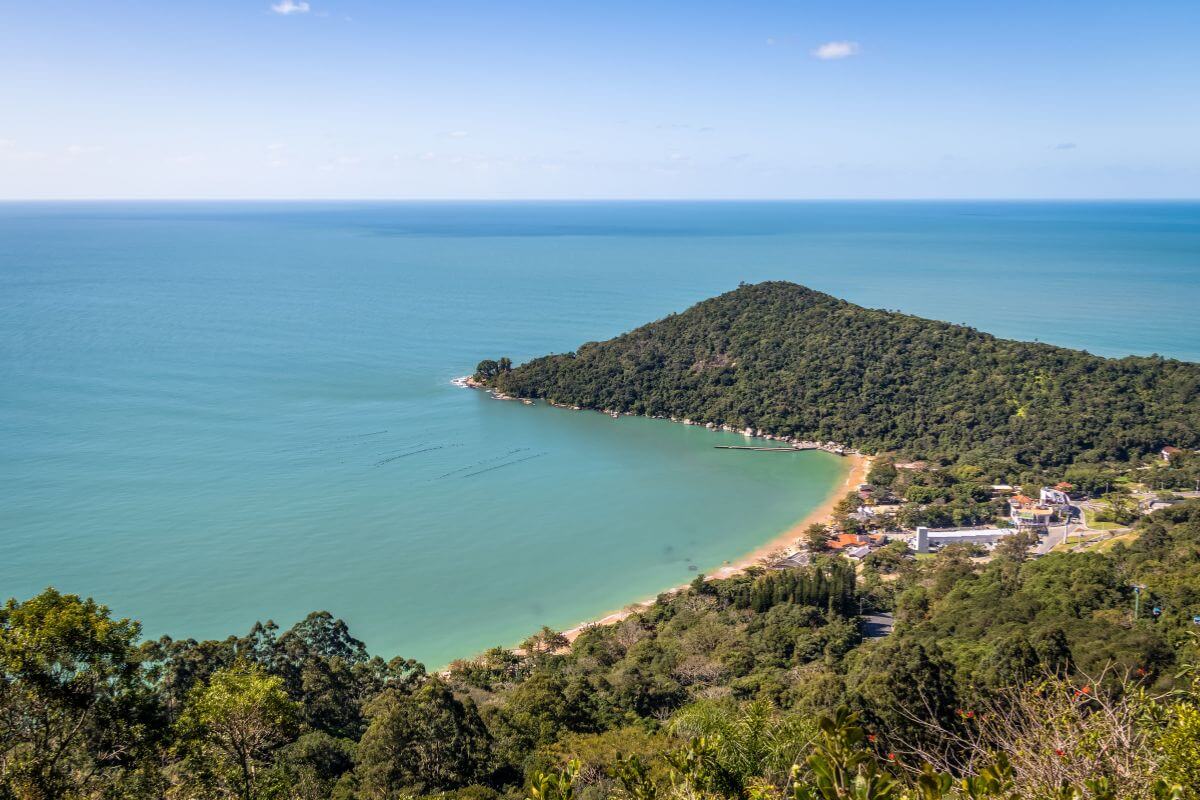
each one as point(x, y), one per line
point(847, 540)
point(1170, 452)
point(858, 553)
point(793, 561)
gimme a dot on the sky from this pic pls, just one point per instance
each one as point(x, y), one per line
point(614, 99)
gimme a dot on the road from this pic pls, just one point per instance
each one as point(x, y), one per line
point(1057, 533)
point(876, 626)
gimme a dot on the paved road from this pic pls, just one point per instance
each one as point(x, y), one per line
point(876, 626)
point(1054, 535)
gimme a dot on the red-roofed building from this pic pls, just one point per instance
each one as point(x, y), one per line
point(844, 540)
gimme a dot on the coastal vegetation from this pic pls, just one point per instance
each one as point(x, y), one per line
point(790, 361)
point(1015, 678)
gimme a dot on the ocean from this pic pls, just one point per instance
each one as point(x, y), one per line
point(216, 413)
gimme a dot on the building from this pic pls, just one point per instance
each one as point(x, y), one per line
point(925, 540)
point(793, 561)
point(1034, 518)
point(1170, 452)
point(1055, 496)
point(1028, 514)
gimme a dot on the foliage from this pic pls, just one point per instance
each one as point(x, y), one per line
point(71, 713)
point(230, 729)
point(717, 690)
point(421, 742)
point(795, 362)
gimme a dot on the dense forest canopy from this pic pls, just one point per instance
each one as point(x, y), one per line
point(1018, 678)
point(792, 361)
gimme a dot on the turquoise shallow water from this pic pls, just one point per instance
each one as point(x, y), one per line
point(216, 413)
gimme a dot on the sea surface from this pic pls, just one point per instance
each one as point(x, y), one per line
point(214, 413)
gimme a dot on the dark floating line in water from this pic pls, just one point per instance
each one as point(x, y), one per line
point(404, 447)
point(365, 435)
point(329, 445)
point(502, 466)
point(416, 453)
point(406, 455)
point(484, 461)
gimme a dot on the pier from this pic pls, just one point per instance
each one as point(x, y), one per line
point(761, 449)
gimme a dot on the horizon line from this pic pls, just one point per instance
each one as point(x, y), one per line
point(961, 199)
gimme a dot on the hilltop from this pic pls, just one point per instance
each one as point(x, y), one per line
point(792, 361)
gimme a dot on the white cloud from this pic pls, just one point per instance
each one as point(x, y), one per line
point(834, 50)
point(457, 134)
point(82, 149)
point(286, 7)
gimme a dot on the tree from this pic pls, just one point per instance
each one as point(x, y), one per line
point(487, 369)
point(547, 640)
point(231, 728)
point(902, 688)
point(69, 675)
point(1015, 547)
point(421, 742)
point(883, 472)
point(749, 741)
point(1118, 507)
point(816, 538)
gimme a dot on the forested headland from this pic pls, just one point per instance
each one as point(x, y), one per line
point(794, 362)
point(1015, 678)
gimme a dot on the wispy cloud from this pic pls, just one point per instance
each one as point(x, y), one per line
point(9, 151)
point(82, 149)
point(831, 51)
point(287, 7)
point(1065, 146)
point(457, 134)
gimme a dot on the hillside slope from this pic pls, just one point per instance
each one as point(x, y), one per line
point(790, 360)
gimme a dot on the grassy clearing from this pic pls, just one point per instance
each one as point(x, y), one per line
point(1111, 542)
point(1089, 517)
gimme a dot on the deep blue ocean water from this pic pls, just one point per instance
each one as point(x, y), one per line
point(212, 413)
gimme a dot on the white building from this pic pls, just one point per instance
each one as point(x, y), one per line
point(925, 540)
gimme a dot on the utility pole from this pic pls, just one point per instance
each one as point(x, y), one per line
point(1137, 599)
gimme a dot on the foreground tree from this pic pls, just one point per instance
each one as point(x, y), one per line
point(421, 742)
point(230, 730)
point(69, 680)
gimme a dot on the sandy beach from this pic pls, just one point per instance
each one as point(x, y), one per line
point(784, 543)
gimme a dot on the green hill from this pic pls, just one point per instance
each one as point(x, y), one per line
point(792, 361)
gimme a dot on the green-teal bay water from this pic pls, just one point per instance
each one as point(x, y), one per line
point(217, 413)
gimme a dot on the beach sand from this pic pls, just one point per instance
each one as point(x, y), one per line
point(784, 543)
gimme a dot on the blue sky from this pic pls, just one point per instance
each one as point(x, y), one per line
point(568, 99)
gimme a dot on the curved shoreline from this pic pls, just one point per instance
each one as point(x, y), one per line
point(784, 543)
